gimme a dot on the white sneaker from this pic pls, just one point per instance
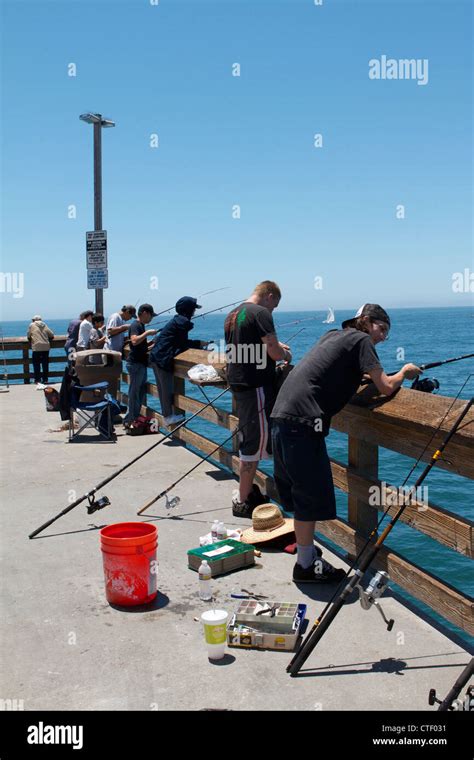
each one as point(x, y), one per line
point(173, 419)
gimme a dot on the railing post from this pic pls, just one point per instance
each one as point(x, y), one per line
point(26, 366)
point(364, 458)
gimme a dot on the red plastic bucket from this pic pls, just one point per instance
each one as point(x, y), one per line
point(129, 555)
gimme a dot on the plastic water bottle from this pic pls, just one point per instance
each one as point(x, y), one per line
point(214, 527)
point(205, 575)
point(221, 532)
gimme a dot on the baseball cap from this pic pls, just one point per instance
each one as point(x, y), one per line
point(147, 307)
point(186, 305)
point(371, 310)
point(131, 309)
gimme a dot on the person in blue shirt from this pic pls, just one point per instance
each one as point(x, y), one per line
point(172, 340)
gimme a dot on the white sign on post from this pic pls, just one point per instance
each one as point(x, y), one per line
point(96, 249)
point(97, 278)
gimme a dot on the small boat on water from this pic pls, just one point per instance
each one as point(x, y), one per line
point(330, 317)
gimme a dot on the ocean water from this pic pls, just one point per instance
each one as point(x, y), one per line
point(422, 336)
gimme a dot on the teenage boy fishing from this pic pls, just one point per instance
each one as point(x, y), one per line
point(173, 338)
point(252, 349)
point(319, 386)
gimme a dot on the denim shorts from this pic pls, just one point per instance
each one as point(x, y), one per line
point(302, 472)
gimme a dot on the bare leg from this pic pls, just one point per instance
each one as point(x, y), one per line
point(304, 532)
point(247, 472)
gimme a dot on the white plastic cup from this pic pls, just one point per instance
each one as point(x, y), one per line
point(215, 623)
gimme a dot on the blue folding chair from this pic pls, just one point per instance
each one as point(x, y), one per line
point(91, 412)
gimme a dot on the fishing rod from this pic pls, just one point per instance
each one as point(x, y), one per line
point(200, 316)
point(297, 321)
point(177, 500)
point(287, 340)
point(451, 701)
point(208, 293)
point(94, 505)
point(426, 384)
point(379, 583)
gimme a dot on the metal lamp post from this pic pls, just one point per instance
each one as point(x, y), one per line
point(98, 122)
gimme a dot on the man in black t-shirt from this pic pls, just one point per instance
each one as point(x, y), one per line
point(137, 362)
point(318, 388)
point(252, 349)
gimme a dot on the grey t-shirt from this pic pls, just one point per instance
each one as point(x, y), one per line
point(326, 378)
point(115, 342)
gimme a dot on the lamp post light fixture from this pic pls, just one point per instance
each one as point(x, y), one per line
point(99, 122)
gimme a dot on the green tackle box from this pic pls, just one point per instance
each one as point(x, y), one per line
point(222, 556)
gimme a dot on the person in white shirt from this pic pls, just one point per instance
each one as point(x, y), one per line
point(85, 331)
point(117, 329)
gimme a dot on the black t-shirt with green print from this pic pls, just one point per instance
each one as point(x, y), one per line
point(248, 363)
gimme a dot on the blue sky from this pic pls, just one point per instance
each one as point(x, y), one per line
point(306, 212)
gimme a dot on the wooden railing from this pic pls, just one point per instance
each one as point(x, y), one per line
point(405, 424)
point(26, 359)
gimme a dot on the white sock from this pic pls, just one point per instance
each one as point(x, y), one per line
point(306, 555)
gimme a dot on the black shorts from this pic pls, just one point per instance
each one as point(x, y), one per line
point(302, 472)
point(253, 408)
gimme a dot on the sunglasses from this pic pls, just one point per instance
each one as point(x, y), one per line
point(384, 327)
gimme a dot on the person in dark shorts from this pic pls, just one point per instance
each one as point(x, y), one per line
point(252, 348)
point(319, 387)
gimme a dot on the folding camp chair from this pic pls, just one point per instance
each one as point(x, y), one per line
point(91, 413)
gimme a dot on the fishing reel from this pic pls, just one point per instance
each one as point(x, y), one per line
point(173, 502)
point(94, 505)
point(376, 588)
point(457, 705)
point(425, 384)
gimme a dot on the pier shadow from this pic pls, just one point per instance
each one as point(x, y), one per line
point(323, 592)
point(220, 475)
point(384, 665)
point(158, 603)
point(71, 532)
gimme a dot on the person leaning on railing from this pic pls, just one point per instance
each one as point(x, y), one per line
point(172, 340)
point(320, 385)
point(39, 337)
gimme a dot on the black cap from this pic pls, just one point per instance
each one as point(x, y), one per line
point(371, 310)
point(131, 309)
point(186, 305)
point(147, 307)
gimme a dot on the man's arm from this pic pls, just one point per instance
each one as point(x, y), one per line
point(388, 384)
point(276, 350)
point(137, 339)
point(117, 330)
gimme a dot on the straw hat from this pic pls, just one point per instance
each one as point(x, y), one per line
point(267, 523)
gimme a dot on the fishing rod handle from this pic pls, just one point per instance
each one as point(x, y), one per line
point(467, 673)
point(320, 628)
point(64, 512)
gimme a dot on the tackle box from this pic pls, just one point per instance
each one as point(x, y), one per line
point(222, 556)
point(284, 617)
point(255, 633)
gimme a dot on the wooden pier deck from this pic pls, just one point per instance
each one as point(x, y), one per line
point(65, 648)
